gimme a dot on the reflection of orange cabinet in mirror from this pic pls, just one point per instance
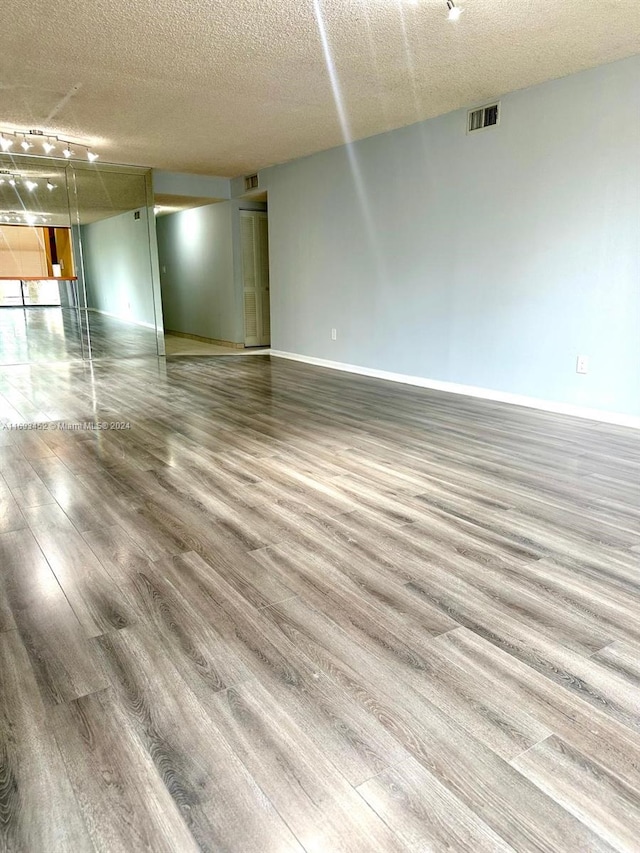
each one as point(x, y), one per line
point(29, 251)
point(59, 252)
point(64, 251)
point(23, 252)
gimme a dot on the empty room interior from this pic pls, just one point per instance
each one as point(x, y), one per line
point(320, 426)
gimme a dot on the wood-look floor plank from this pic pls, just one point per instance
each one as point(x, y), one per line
point(586, 789)
point(514, 585)
point(579, 722)
point(6, 616)
point(11, 518)
point(188, 630)
point(405, 648)
point(32, 493)
point(424, 813)
point(623, 659)
point(83, 506)
point(218, 800)
point(97, 601)
point(156, 534)
point(322, 809)
point(32, 444)
point(26, 579)
point(570, 670)
point(356, 592)
point(63, 663)
point(357, 745)
point(39, 812)
point(487, 784)
point(245, 574)
point(124, 802)
point(45, 516)
point(120, 555)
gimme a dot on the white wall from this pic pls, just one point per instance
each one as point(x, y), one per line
point(117, 267)
point(490, 260)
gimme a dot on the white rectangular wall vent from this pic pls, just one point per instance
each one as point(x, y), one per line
point(483, 117)
point(251, 182)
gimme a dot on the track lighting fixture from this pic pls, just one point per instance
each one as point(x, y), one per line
point(454, 11)
point(17, 180)
point(48, 141)
point(24, 217)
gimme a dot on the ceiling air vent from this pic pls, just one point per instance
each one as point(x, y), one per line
point(483, 117)
point(251, 182)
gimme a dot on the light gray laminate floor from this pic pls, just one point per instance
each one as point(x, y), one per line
point(291, 609)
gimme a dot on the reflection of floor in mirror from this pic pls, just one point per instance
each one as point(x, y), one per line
point(36, 334)
point(177, 345)
point(113, 338)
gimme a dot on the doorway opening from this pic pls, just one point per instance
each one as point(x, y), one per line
point(214, 275)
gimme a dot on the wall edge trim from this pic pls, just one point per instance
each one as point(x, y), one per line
point(615, 418)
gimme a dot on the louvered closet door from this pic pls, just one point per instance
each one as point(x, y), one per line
point(254, 235)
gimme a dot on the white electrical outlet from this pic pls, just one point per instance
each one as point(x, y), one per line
point(334, 334)
point(582, 364)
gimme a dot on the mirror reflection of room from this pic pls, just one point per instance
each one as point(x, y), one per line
point(76, 278)
point(38, 320)
point(117, 275)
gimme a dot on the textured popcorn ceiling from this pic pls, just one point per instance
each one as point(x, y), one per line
point(228, 87)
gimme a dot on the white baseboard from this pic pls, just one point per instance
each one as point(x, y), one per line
point(617, 418)
point(122, 319)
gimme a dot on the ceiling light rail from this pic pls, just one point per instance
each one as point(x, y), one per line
point(29, 139)
point(23, 218)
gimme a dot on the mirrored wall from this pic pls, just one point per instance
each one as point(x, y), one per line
point(78, 262)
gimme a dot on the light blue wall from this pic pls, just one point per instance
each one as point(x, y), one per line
point(196, 272)
point(117, 267)
point(490, 259)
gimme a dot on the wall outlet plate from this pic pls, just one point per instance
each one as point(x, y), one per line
point(334, 334)
point(582, 364)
